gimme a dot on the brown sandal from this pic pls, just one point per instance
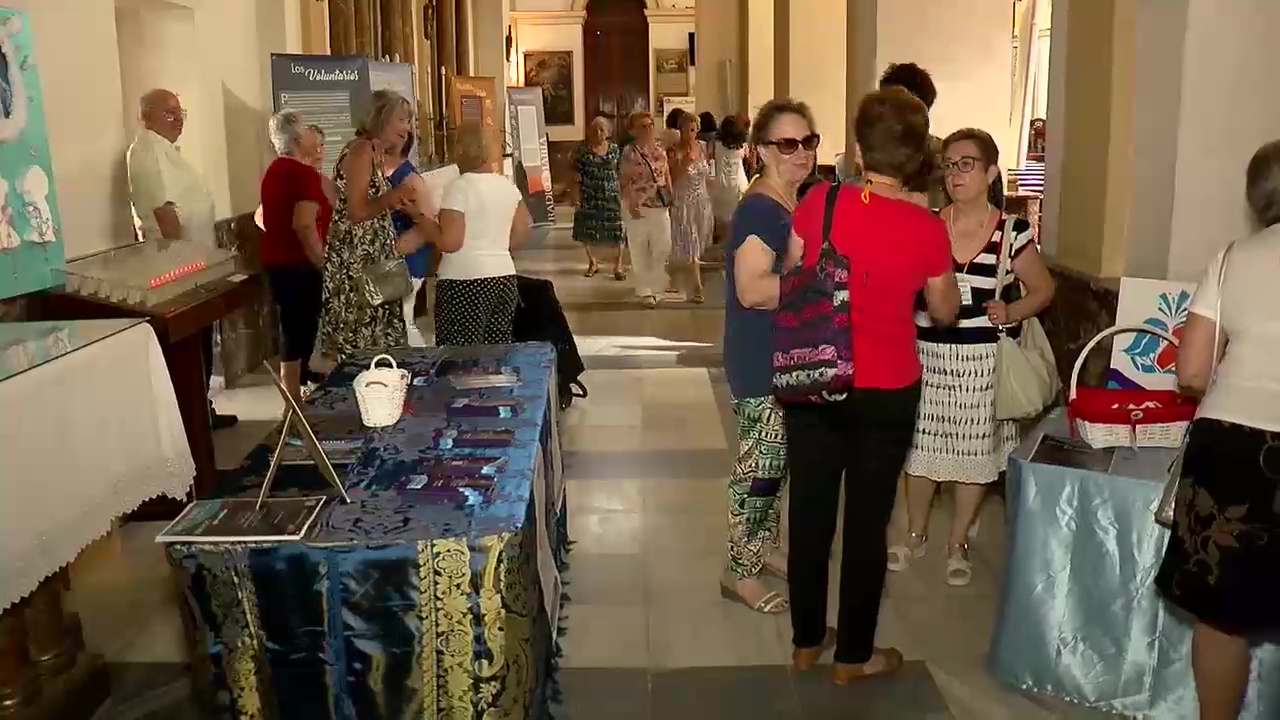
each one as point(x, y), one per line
point(845, 673)
point(803, 659)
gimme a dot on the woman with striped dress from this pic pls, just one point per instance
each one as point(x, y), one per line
point(957, 437)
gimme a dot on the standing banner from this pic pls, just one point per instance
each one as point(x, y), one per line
point(334, 91)
point(532, 154)
point(1145, 360)
point(31, 249)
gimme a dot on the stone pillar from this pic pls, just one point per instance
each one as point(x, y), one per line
point(342, 27)
point(815, 64)
point(446, 68)
point(860, 71)
point(760, 50)
point(410, 27)
point(389, 17)
point(721, 80)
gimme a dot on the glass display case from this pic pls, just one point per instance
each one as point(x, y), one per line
point(25, 345)
point(148, 274)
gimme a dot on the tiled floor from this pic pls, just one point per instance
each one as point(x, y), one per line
point(646, 456)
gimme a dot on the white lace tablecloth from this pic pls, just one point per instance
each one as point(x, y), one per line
point(85, 438)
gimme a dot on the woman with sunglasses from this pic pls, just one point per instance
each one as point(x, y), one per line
point(895, 249)
point(783, 133)
point(645, 181)
point(958, 439)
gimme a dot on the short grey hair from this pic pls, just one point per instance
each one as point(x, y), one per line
point(1262, 184)
point(286, 128)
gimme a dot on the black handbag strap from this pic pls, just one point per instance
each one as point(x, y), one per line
point(833, 194)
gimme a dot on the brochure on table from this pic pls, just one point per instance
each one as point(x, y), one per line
point(243, 520)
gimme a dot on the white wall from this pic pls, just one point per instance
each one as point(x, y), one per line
point(967, 47)
point(667, 31)
point(560, 31)
point(1229, 57)
point(818, 68)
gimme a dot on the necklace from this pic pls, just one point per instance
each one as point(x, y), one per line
point(982, 233)
point(869, 179)
point(777, 192)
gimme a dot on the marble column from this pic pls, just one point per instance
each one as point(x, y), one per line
point(342, 27)
point(860, 71)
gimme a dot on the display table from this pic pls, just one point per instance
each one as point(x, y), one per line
point(400, 604)
point(180, 304)
point(1080, 618)
point(92, 431)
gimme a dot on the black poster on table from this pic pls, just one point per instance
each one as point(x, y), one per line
point(333, 92)
point(532, 159)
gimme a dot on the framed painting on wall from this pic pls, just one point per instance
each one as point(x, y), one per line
point(31, 250)
point(671, 72)
point(552, 70)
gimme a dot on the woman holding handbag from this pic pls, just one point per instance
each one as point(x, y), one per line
point(1223, 554)
point(958, 438)
point(645, 180)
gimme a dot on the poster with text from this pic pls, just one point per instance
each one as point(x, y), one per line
point(532, 154)
point(328, 91)
point(1145, 360)
point(31, 249)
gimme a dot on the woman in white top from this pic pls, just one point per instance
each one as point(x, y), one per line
point(1222, 565)
point(482, 217)
point(730, 178)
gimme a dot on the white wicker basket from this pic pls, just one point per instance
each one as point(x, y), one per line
point(380, 393)
point(1138, 431)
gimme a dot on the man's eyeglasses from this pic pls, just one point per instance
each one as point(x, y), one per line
point(789, 146)
point(960, 165)
point(174, 115)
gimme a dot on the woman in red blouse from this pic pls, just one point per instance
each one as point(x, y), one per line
point(295, 221)
point(895, 249)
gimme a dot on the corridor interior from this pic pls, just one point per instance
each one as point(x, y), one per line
point(648, 635)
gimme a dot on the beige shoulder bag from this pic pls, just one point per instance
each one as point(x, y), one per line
point(1026, 375)
point(1169, 498)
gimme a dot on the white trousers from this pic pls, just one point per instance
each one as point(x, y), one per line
point(649, 237)
point(406, 306)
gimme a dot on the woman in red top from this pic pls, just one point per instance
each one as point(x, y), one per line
point(895, 249)
point(295, 221)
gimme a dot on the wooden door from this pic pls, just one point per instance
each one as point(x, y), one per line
point(615, 39)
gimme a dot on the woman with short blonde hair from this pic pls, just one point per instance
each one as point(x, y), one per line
point(482, 217)
point(645, 182)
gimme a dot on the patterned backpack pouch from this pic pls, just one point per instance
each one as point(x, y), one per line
point(812, 341)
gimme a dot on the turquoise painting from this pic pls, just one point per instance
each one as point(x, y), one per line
point(31, 253)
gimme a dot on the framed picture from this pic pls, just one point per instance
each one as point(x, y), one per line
point(671, 72)
point(552, 70)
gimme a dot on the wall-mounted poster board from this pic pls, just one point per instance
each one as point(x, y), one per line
point(333, 92)
point(1144, 360)
point(471, 100)
point(31, 249)
point(532, 156)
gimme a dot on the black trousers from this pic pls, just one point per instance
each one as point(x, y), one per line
point(863, 440)
point(298, 292)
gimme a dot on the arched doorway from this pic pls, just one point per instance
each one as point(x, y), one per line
point(615, 39)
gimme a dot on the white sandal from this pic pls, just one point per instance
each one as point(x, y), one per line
point(900, 556)
point(959, 568)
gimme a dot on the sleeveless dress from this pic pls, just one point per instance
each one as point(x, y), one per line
point(731, 181)
point(691, 220)
point(349, 323)
point(598, 218)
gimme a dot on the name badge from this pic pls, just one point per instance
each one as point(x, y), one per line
point(966, 290)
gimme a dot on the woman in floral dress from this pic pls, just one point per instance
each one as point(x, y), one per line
point(362, 233)
point(692, 222)
point(597, 218)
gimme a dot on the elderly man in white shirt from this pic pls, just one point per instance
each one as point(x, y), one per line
point(170, 200)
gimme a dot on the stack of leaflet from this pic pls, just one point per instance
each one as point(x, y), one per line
point(478, 377)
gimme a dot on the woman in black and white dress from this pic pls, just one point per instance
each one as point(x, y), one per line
point(957, 438)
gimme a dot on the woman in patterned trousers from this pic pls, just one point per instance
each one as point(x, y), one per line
point(759, 233)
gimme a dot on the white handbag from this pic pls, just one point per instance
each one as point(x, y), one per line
point(1026, 375)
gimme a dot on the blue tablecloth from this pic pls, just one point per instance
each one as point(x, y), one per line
point(1080, 618)
point(394, 606)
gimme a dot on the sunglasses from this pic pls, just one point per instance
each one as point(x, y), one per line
point(960, 165)
point(789, 146)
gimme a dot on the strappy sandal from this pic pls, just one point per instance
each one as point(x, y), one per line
point(845, 673)
point(959, 567)
point(772, 603)
point(698, 298)
point(803, 659)
point(592, 269)
point(900, 556)
point(619, 275)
